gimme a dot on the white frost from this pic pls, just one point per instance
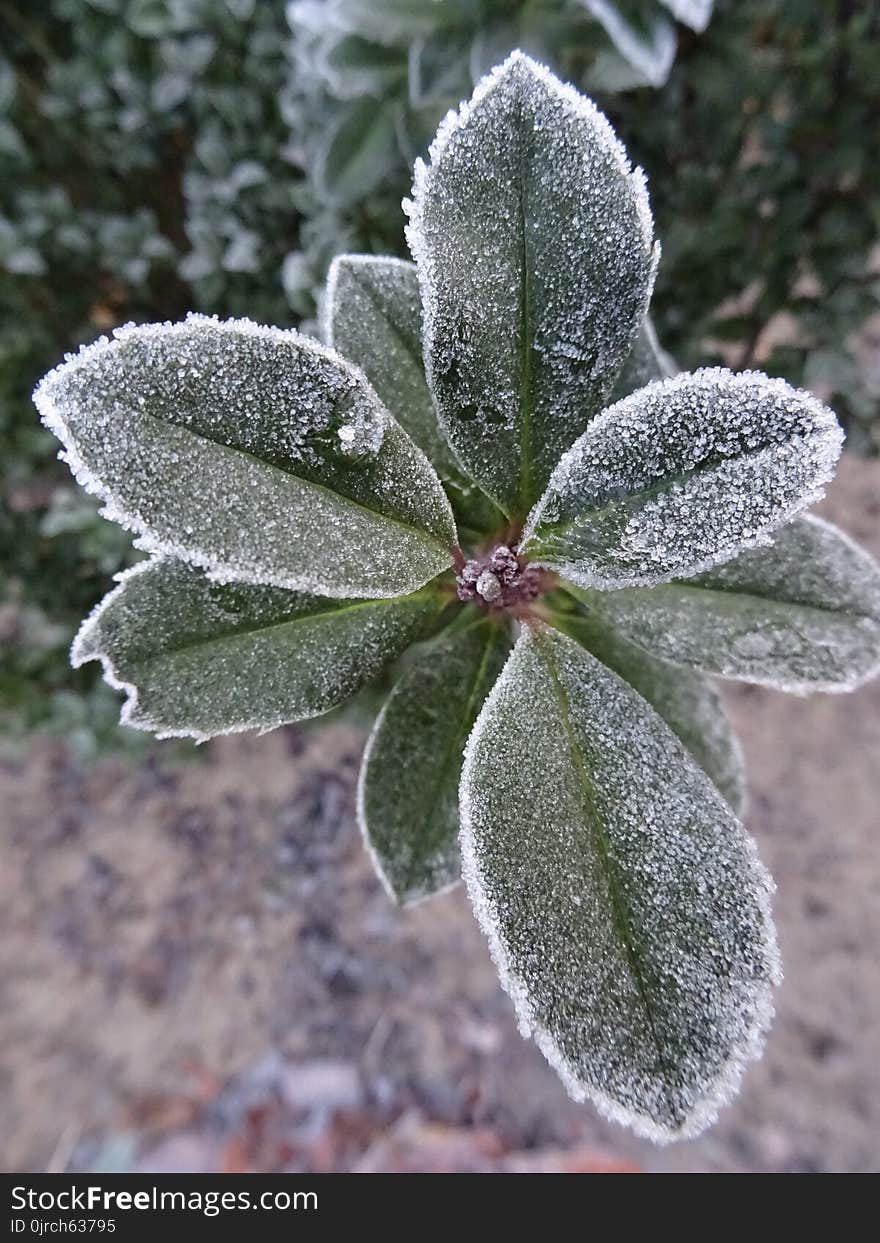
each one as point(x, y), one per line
point(528, 218)
point(252, 452)
point(555, 856)
point(680, 476)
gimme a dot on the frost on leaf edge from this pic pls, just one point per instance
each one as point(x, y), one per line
point(827, 427)
point(802, 689)
point(457, 119)
point(402, 903)
point(53, 420)
point(726, 1083)
point(328, 301)
point(128, 713)
point(80, 655)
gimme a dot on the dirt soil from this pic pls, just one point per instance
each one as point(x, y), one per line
point(199, 970)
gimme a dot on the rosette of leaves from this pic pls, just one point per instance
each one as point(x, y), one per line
point(486, 480)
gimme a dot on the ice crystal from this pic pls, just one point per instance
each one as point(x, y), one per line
point(802, 615)
point(253, 452)
point(408, 788)
point(372, 314)
point(687, 702)
point(624, 904)
point(680, 476)
point(629, 920)
point(521, 344)
point(646, 362)
point(197, 658)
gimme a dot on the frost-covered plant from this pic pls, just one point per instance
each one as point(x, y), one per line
point(569, 571)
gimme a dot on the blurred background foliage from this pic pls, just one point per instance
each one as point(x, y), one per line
point(158, 156)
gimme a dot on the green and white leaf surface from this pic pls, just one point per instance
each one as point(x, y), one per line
point(647, 361)
point(408, 790)
point(521, 345)
point(372, 314)
point(625, 906)
point(687, 702)
point(198, 658)
point(680, 476)
point(802, 615)
point(252, 452)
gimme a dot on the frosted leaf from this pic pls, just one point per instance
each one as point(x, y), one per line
point(688, 703)
point(802, 615)
point(372, 315)
point(646, 362)
point(532, 237)
point(647, 42)
point(681, 475)
point(625, 906)
point(253, 452)
point(408, 789)
point(197, 658)
point(693, 13)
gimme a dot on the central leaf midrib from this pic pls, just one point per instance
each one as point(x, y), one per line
point(620, 912)
point(594, 600)
point(375, 514)
point(385, 311)
point(760, 598)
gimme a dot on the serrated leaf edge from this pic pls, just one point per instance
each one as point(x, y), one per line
point(130, 714)
point(800, 688)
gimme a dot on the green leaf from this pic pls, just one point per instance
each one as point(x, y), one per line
point(252, 452)
point(399, 21)
point(625, 906)
point(358, 153)
point(680, 476)
point(802, 615)
point(688, 703)
point(646, 362)
point(353, 67)
point(198, 658)
point(408, 792)
point(372, 316)
point(532, 237)
point(647, 42)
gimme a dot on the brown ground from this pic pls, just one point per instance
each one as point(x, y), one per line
point(199, 970)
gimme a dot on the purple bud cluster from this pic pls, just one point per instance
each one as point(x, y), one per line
point(500, 580)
